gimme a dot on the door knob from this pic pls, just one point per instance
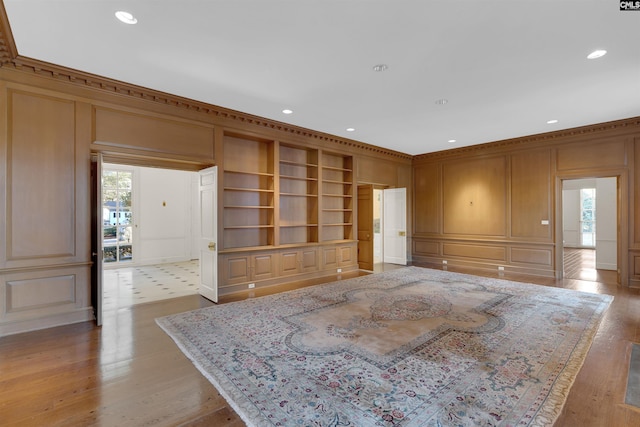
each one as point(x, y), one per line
point(402, 233)
point(212, 246)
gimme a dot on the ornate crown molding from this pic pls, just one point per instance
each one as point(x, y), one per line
point(537, 139)
point(8, 49)
point(9, 58)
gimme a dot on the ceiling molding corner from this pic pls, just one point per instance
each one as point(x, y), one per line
point(8, 50)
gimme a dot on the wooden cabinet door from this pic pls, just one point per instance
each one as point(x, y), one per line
point(346, 255)
point(290, 262)
point(236, 268)
point(309, 260)
point(263, 266)
point(329, 258)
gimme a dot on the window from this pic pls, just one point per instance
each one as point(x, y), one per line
point(588, 217)
point(117, 227)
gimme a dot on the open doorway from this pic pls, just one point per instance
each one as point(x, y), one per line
point(590, 229)
point(149, 248)
point(381, 227)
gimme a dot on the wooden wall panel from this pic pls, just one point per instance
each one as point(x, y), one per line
point(474, 197)
point(543, 257)
point(604, 153)
point(427, 199)
point(495, 253)
point(426, 248)
point(635, 266)
point(28, 294)
point(636, 194)
point(376, 171)
point(31, 297)
point(41, 180)
point(151, 134)
point(531, 195)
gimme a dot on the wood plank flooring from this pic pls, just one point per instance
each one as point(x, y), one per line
point(581, 264)
point(130, 373)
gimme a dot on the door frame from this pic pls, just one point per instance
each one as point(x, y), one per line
point(622, 219)
point(96, 287)
point(97, 268)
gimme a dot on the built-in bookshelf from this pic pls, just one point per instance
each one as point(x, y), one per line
point(287, 212)
point(298, 209)
point(337, 197)
point(248, 193)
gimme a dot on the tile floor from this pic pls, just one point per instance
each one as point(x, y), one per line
point(126, 286)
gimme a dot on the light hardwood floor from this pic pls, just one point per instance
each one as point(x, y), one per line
point(130, 373)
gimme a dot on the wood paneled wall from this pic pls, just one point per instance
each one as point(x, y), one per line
point(52, 119)
point(43, 250)
point(498, 205)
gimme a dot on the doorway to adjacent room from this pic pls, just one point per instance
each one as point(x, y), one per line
point(146, 228)
point(590, 229)
point(382, 237)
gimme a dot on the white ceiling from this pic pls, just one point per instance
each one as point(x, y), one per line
point(505, 67)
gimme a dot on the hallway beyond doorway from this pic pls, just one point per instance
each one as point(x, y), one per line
point(126, 286)
point(580, 264)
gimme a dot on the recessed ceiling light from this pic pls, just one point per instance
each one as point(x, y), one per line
point(380, 67)
point(287, 111)
point(451, 140)
point(126, 17)
point(351, 130)
point(552, 121)
point(597, 54)
point(441, 101)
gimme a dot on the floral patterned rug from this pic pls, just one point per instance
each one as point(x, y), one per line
point(408, 347)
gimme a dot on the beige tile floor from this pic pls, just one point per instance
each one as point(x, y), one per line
point(126, 286)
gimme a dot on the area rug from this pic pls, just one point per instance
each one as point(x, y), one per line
point(632, 396)
point(409, 347)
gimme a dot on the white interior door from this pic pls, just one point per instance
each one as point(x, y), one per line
point(208, 240)
point(394, 228)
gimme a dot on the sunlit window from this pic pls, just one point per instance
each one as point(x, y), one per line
point(117, 225)
point(588, 217)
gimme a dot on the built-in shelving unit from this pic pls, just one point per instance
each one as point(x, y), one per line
point(337, 197)
point(298, 175)
point(287, 212)
point(248, 198)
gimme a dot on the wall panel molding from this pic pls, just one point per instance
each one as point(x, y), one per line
point(36, 298)
point(153, 135)
point(474, 193)
point(40, 211)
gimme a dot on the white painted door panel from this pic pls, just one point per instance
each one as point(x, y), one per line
point(395, 226)
point(208, 254)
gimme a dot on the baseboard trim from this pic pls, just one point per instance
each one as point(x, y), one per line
point(45, 322)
